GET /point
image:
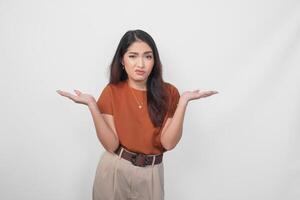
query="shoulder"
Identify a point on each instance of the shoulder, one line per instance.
(113, 87)
(171, 87)
(106, 89)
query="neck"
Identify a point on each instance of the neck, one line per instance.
(137, 85)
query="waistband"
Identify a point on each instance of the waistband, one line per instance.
(139, 159)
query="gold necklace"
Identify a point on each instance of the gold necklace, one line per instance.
(138, 102)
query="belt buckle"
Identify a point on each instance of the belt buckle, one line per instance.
(139, 159)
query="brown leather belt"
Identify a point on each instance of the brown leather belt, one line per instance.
(139, 159)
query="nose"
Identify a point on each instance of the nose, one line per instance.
(140, 62)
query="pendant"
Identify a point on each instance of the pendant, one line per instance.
(140, 107)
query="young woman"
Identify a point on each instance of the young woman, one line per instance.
(137, 118)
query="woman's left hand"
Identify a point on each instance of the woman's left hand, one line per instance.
(196, 94)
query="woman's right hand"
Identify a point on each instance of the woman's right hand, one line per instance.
(80, 97)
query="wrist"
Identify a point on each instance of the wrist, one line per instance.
(182, 102)
(92, 104)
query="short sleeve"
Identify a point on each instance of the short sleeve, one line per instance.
(104, 101)
(173, 100)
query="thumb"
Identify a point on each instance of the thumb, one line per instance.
(77, 92)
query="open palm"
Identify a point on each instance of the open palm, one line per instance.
(80, 97)
(197, 94)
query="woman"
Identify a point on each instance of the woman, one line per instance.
(137, 118)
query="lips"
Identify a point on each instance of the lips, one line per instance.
(140, 72)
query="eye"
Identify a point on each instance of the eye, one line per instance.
(131, 56)
(149, 57)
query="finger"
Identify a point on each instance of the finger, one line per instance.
(214, 92)
(63, 93)
(58, 91)
(77, 92)
(66, 94)
(205, 94)
(210, 93)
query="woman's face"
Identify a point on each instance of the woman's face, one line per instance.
(138, 61)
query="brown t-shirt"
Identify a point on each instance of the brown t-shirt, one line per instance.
(133, 125)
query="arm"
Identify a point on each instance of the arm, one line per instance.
(104, 123)
(172, 130)
(105, 128)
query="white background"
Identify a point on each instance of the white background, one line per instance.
(241, 144)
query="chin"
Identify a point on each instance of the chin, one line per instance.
(140, 79)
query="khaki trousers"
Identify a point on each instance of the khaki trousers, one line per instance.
(118, 179)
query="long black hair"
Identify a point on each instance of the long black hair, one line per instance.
(157, 96)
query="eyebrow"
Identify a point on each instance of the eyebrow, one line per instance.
(146, 52)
